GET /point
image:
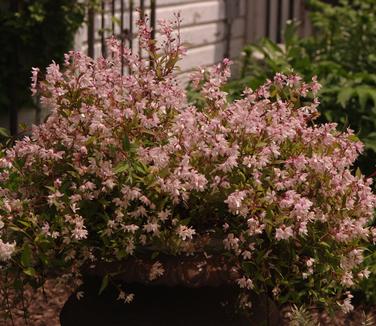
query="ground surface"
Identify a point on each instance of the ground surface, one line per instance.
(45, 309)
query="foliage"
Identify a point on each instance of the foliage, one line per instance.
(341, 53)
(367, 288)
(33, 33)
(124, 164)
(300, 316)
(368, 319)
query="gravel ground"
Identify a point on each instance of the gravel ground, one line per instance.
(358, 317)
(45, 307)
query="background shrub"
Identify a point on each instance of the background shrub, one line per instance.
(32, 34)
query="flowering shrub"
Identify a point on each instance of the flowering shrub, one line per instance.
(123, 163)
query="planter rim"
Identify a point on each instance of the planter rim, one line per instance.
(197, 270)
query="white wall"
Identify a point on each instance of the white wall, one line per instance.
(204, 25)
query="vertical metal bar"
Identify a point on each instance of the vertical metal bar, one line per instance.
(113, 16)
(142, 16)
(122, 34)
(152, 17)
(103, 45)
(13, 96)
(228, 23)
(142, 8)
(152, 24)
(90, 32)
(291, 9)
(267, 19)
(302, 18)
(279, 21)
(130, 34)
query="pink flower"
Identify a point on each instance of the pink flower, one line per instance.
(235, 201)
(151, 228)
(6, 250)
(346, 305)
(284, 233)
(185, 232)
(245, 283)
(156, 271)
(125, 297)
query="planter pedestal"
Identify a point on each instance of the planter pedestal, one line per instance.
(152, 306)
(193, 291)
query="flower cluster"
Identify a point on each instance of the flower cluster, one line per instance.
(124, 163)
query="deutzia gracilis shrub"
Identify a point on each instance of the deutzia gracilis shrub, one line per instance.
(124, 164)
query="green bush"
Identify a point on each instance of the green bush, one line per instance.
(367, 288)
(33, 33)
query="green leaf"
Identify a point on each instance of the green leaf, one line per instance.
(26, 256)
(353, 138)
(24, 223)
(140, 167)
(4, 132)
(121, 167)
(154, 255)
(325, 244)
(51, 188)
(126, 143)
(290, 34)
(364, 93)
(30, 271)
(273, 49)
(344, 96)
(185, 221)
(115, 20)
(104, 284)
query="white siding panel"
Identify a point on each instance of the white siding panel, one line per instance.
(211, 33)
(195, 13)
(209, 54)
(163, 3)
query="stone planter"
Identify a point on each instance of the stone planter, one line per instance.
(195, 290)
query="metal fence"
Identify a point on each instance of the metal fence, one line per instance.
(278, 24)
(116, 17)
(267, 18)
(273, 14)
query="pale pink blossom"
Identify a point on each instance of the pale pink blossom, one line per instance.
(185, 232)
(245, 283)
(7, 249)
(284, 233)
(156, 271)
(346, 305)
(235, 201)
(125, 297)
(151, 228)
